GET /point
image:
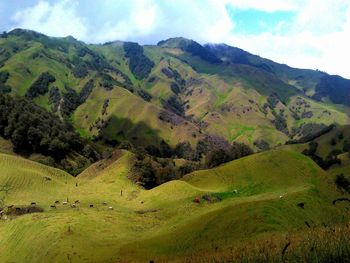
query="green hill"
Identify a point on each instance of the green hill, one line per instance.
(175, 91)
(241, 200)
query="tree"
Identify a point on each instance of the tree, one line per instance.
(217, 157)
(184, 150)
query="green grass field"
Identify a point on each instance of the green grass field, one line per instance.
(259, 195)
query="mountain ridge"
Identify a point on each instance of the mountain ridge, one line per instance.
(211, 87)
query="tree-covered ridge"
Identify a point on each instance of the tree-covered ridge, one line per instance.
(336, 88)
(32, 129)
(139, 64)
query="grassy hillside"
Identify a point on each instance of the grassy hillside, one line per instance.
(241, 200)
(187, 91)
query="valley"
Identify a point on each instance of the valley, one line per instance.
(174, 152)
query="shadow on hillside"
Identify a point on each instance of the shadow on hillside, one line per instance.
(121, 129)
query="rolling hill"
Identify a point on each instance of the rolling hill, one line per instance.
(241, 200)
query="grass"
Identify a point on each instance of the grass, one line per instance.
(163, 223)
(220, 95)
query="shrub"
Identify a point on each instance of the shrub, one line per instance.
(342, 182)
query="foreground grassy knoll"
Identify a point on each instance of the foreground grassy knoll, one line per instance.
(268, 194)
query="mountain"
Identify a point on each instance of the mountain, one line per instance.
(175, 152)
(175, 91)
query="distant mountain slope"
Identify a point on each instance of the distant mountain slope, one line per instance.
(175, 91)
(313, 83)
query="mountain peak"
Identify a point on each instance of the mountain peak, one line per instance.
(175, 42)
(190, 46)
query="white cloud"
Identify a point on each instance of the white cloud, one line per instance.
(317, 38)
(266, 5)
(58, 19)
(140, 18)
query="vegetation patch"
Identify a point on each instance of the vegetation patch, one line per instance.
(40, 85)
(139, 64)
(31, 129)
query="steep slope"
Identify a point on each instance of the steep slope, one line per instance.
(176, 91)
(239, 200)
(313, 83)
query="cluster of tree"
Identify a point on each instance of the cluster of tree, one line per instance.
(4, 75)
(235, 151)
(197, 50)
(73, 99)
(150, 171)
(280, 122)
(272, 100)
(105, 106)
(310, 131)
(32, 129)
(174, 74)
(334, 87)
(139, 64)
(144, 95)
(331, 158)
(174, 105)
(342, 182)
(107, 82)
(40, 85)
(156, 165)
(80, 71)
(262, 145)
(54, 98)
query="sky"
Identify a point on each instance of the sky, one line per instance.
(311, 34)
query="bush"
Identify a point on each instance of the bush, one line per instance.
(342, 182)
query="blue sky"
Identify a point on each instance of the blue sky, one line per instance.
(302, 33)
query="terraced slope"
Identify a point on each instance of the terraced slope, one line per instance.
(239, 200)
